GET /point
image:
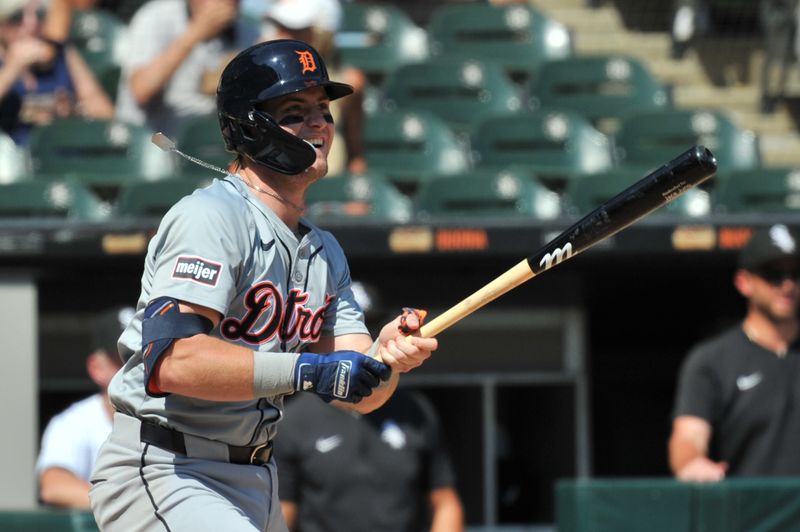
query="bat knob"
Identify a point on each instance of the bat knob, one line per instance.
(704, 156)
(162, 141)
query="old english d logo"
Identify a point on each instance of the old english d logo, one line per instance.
(307, 60)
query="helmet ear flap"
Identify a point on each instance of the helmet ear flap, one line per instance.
(266, 143)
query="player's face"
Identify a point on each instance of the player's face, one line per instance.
(776, 289)
(306, 114)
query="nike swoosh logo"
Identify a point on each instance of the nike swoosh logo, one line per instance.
(267, 246)
(747, 382)
(325, 445)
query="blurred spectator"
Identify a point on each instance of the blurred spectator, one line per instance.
(58, 21)
(72, 438)
(690, 18)
(316, 22)
(178, 49)
(41, 78)
(778, 20)
(737, 411)
(387, 470)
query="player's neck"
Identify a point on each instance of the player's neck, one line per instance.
(775, 336)
(281, 194)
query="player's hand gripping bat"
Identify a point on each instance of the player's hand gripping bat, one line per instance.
(637, 201)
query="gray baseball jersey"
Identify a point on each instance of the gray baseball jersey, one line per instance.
(222, 248)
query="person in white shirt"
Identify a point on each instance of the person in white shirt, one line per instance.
(72, 438)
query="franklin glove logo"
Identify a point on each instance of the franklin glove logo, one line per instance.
(342, 384)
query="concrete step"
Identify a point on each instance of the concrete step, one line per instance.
(645, 46)
(550, 5)
(600, 20)
(780, 149)
(745, 97)
(779, 122)
(686, 71)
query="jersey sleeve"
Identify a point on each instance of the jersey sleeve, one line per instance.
(344, 315)
(200, 252)
(698, 386)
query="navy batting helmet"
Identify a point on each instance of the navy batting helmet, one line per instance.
(260, 73)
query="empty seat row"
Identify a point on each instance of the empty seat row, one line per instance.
(509, 194)
(379, 37)
(409, 147)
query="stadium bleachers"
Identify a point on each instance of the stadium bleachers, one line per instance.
(507, 193)
(358, 198)
(409, 147)
(479, 68)
(459, 91)
(557, 145)
(518, 37)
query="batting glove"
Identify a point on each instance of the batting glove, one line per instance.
(344, 375)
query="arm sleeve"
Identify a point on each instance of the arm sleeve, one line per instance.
(698, 387)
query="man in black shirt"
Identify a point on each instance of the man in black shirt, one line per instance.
(387, 470)
(737, 409)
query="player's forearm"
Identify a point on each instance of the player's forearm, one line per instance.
(208, 368)
(150, 79)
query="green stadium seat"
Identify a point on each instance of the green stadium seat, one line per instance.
(50, 199)
(761, 190)
(518, 37)
(602, 88)
(98, 152)
(101, 37)
(557, 145)
(379, 37)
(357, 198)
(651, 138)
(409, 147)
(585, 194)
(145, 199)
(507, 193)
(200, 137)
(15, 161)
(458, 90)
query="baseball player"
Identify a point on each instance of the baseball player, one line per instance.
(243, 301)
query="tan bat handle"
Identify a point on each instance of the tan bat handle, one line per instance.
(496, 288)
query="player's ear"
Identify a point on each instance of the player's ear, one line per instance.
(743, 282)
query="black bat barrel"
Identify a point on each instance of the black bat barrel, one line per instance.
(643, 197)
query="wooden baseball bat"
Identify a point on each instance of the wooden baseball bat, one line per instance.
(637, 201)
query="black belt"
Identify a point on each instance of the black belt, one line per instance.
(173, 441)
